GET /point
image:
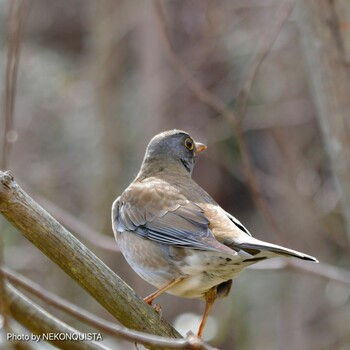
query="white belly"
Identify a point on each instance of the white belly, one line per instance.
(159, 264)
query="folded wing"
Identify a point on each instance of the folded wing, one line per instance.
(157, 211)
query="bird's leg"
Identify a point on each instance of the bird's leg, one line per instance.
(149, 299)
(210, 297)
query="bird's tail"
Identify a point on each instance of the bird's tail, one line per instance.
(255, 247)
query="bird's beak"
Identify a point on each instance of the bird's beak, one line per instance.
(199, 147)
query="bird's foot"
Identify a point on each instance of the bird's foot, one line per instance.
(158, 309)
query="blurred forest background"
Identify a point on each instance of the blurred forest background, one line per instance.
(98, 79)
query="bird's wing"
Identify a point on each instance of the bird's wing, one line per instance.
(158, 211)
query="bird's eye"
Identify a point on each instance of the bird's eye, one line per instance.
(189, 143)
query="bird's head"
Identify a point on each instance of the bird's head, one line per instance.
(173, 148)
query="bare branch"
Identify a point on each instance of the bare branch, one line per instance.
(75, 225)
(39, 321)
(77, 261)
(99, 323)
(263, 49)
(15, 24)
(322, 270)
(17, 15)
(4, 305)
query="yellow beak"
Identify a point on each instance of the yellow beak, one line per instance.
(199, 147)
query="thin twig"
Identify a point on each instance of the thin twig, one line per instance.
(230, 115)
(268, 39)
(15, 24)
(72, 223)
(323, 270)
(84, 231)
(99, 323)
(17, 14)
(4, 305)
(40, 323)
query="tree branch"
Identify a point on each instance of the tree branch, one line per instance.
(264, 47)
(39, 321)
(322, 270)
(4, 305)
(101, 324)
(77, 261)
(75, 225)
(15, 23)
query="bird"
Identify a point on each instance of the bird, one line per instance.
(175, 236)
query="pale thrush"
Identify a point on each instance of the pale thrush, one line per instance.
(175, 236)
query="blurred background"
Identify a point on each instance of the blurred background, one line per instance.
(97, 81)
